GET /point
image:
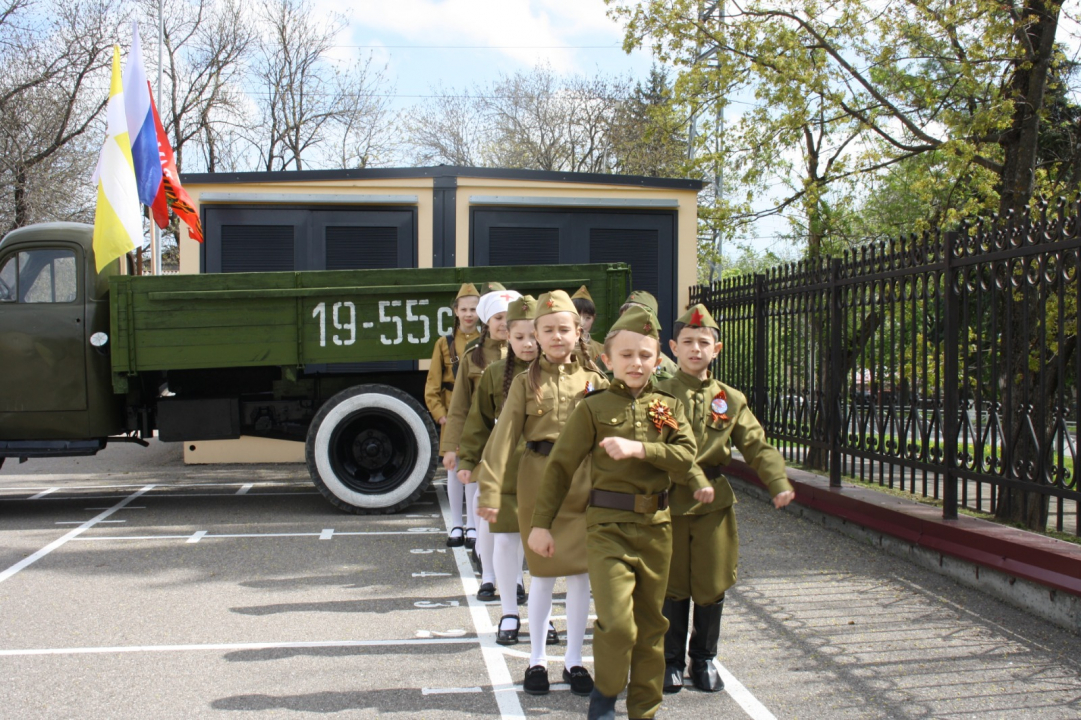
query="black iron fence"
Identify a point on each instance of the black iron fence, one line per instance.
(943, 364)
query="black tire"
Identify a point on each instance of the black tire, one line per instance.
(371, 449)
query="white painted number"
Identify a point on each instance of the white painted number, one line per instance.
(351, 326)
(383, 304)
(414, 318)
(320, 311)
(427, 604)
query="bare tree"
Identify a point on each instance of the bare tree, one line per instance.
(54, 59)
(449, 129)
(362, 121)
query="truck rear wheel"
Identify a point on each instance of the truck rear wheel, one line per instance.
(371, 449)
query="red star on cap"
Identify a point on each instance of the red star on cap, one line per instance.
(696, 318)
(647, 327)
(550, 302)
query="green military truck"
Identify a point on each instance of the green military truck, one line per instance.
(90, 358)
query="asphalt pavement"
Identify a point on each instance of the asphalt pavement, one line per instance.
(134, 586)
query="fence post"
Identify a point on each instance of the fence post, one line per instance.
(760, 359)
(951, 402)
(836, 364)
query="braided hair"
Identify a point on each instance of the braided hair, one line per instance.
(585, 357)
(508, 371)
(477, 356)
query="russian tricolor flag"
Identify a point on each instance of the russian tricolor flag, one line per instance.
(144, 136)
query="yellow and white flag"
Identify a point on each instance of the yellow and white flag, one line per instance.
(118, 226)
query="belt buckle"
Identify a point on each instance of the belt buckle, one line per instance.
(645, 504)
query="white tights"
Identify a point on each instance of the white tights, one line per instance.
(507, 556)
(540, 613)
(458, 495)
(485, 542)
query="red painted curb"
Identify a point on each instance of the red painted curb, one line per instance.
(1053, 563)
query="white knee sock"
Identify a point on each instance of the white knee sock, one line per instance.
(540, 612)
(521, 560)
(507, 569)
(456, 497)
(471, 504)
(577, 617)
(485, 549)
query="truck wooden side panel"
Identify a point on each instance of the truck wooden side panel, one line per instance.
(184, 322)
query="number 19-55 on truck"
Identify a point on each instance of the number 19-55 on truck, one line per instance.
(322, 357)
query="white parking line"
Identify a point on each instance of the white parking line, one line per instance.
(245, 488)
(204, 534)
(506, 694)
(742, 695)
(27, 561)
(43, 493)
(450, 691)
(234, 646)
(80, 522)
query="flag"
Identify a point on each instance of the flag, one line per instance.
(117, 222)
(143, 136)
(171, 192)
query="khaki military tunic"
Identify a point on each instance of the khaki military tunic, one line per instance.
(526, 416)
(487, 404)
(464, 386)
(628, 552)
(440, 383)
(705, 546)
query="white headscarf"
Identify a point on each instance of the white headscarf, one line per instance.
(494, 303)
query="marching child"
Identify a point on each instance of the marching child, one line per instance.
(508, 553)
(639, 441)
(440, 385)
(538, 404)
(491, 346)
(705, 544)
(587, 310)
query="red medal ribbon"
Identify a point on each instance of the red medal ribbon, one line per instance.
(661, 415)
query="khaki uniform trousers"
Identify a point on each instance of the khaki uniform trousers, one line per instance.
(705, 551)
(628, 572)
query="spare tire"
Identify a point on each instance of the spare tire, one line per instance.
(371, 449)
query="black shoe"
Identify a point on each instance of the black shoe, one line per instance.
(705, 633)
(579, 680)
(536, 680)
(553, 635)
(508, 637)
(601, 707)
(522, 597)
(455, 540)
(470, 542)
(673, 679)
(487, 593)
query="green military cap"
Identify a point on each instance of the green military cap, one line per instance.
(493, 287)
(643, 298)
(638, 319)
(698, 317)
(583, 293)
(467, 290)
(553, 302)
(523, 308)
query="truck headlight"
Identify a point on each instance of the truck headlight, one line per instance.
(99, 339)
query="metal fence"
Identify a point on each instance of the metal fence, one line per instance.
(943, 364)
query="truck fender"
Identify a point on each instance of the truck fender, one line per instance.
(371, 449)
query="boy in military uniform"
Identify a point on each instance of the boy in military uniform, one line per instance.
(637, 439)
(439, 387)
(644, 299)
(705, 544)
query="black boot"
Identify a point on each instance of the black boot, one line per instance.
(704, 637)
(677, 612)
(601, 707)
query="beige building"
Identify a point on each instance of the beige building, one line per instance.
(438, 217)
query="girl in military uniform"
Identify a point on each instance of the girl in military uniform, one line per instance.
(440, 384)
(491, 346)
(639, 442)
(705, 544)
(587, 310)
(509, 552)
(538, 404)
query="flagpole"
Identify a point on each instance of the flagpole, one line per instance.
(155, 236)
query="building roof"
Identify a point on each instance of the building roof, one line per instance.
(440, 171)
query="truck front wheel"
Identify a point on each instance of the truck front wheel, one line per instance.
(371, 449)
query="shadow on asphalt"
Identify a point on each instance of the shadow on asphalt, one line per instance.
(382, 701)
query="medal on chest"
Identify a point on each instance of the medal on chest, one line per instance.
(661, 415)
(589, 387)
(719, 407)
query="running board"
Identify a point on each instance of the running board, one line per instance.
(23, 449)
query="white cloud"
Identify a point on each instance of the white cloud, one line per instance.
(527, 31)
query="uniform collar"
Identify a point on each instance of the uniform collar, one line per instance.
(691, 381)
(571, 366)
(620, 388)
(471, 335)
(493, 344)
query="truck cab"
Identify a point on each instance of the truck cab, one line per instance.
(55, 391)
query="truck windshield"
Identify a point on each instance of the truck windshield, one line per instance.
(39, 276)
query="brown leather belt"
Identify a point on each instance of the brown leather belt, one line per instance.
(643, 504)
(713, 472)
(449, 387)
(541, 447)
